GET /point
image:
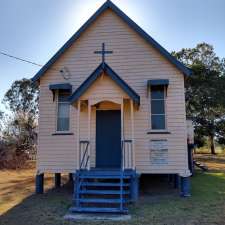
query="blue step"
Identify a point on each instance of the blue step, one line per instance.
(94, 176)
(98, 209)
(103, 187)
(100, 200)
(103, 192)
(105, 172)
(104, 184)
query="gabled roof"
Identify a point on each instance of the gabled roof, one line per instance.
(109, 5)
(103, 67)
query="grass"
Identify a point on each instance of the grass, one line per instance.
(158, 205)
(206, 150)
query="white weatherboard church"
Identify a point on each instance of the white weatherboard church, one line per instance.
(112, 107)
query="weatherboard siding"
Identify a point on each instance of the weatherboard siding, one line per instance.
(135, 61)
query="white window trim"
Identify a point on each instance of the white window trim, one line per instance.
(56, 116)
(165, 107)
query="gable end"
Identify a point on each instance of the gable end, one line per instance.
(103, 67)
(109, 5)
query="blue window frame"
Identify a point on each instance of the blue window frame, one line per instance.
(158, 112)
(63, 112)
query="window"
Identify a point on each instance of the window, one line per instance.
(158, 120)
(63, 115)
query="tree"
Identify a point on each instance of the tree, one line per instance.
(1, 117)
(205, 91)
(22, 101)
(22, 97)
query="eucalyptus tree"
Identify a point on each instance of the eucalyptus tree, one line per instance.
(205, 91)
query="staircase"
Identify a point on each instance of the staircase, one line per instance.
(103, 191)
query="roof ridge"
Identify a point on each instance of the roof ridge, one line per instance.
(109, 4)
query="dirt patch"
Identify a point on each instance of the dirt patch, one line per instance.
(215, 163)
(16, 185)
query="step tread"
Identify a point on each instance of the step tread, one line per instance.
(94, 176)
(104, 184)
(100, 200)
(98, 209)
(112, 192)
(126, 172)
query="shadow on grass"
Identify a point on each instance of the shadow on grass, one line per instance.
(40, 209)
(159, 204)
(22, 186)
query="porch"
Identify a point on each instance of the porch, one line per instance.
(106, 179)
(105, 134)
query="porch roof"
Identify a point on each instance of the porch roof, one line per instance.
(103, 67)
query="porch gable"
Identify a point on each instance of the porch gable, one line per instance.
(103, 67)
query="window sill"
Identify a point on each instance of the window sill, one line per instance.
(62, 133)
(158, 132)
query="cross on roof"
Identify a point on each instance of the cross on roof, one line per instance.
(103, 52)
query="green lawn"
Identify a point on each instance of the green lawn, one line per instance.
(206, 206)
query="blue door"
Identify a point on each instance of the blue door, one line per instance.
(108, 138)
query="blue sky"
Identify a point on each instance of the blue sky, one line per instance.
(36, 29)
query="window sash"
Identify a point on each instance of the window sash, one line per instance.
(158, 122)
(158, 115)
(63, 113)
(158, 107)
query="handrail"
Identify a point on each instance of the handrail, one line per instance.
(127, 154)
(84, 154)
(87, 161)
(82, 162)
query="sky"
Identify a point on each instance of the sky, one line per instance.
(36, 29)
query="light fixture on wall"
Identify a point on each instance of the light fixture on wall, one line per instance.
(65, 73)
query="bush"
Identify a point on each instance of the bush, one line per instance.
(10, 158)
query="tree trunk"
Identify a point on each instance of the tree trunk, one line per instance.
(212, 145)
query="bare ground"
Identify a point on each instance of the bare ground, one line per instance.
(159, 203)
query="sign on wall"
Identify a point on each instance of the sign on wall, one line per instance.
(158, 152)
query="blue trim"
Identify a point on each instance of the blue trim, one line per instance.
(61, 86)
(135, 187)
(39, 184)
(185, 187)
(158, 82)
(109, 5)
(62, 133)
(158, 132)
(133, 95)
(103, 67)
(87, 83)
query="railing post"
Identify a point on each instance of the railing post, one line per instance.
(89, 133)
(122, 134)
(132, 132)
(78, 134)
(84, 157)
